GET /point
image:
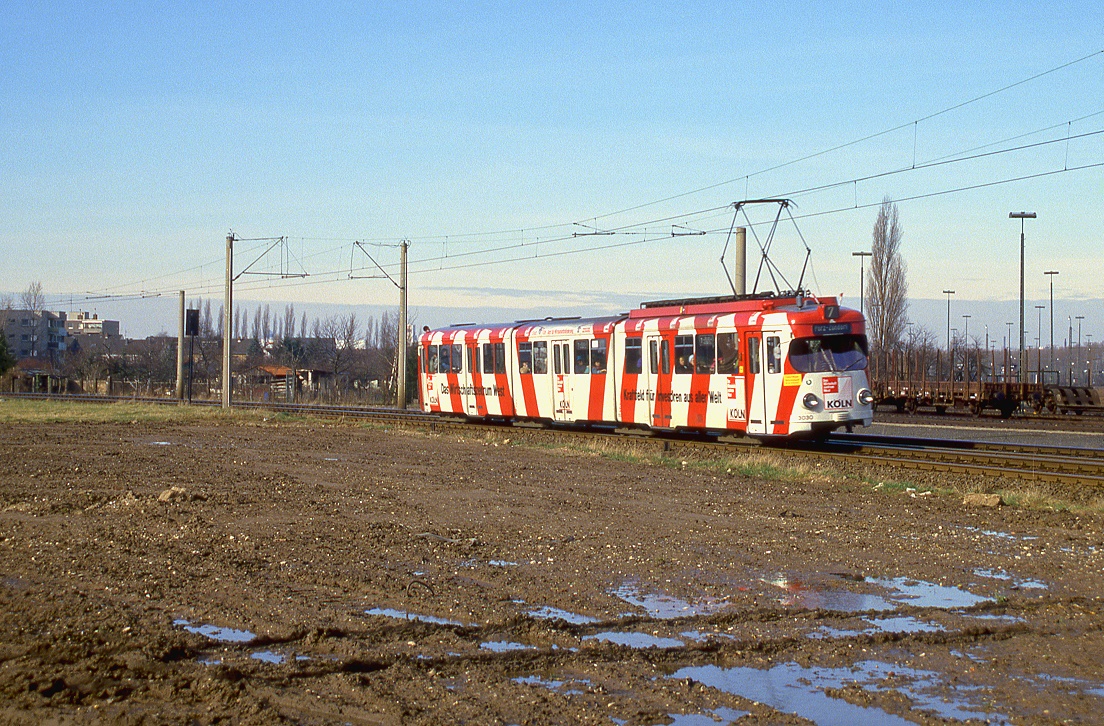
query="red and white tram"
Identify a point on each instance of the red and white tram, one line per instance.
(763, 366)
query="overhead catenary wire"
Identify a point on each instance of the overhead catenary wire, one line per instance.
(634, 227)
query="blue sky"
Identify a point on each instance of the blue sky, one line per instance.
(134, 136)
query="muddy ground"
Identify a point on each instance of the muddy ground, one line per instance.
(328, 573)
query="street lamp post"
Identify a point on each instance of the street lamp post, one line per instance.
(1051, 274)
(950, 343)
(862, 274)
(1039, 337)
(1079, 318)
(1023, 334)
(1008, 354)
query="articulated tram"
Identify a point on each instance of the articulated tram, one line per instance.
(764, 366)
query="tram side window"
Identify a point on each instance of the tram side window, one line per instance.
(665, 357)
(525, 358)
(540, 357)
(774, 354)
(653, 357)
(556, 360)
(634, 358)
(705, 349)
(499, 357)
(684, 354)
(457, 358)
(598, 356)
(566, 353)
(727, 353)
(471, 352)
(488, 359)
(445, 359)
(753, 355)
(582, 356)
(432, 361)
(474, 367)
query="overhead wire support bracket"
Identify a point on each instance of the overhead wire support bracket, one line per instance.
(678, 230)
(593, 233)
(358, 245)
(276, 242)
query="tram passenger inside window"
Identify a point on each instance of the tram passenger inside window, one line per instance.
(597, 356)
(704, 353)
(684, 354)
(582, 356)
(727, 353)
(525, 356)
(433, 365)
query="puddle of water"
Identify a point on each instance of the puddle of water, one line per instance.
(1001, 535)
(565, 687)
(800, 594)
(268, 657)
(403, 615)
(204, 660)
(550, 613)
(722, 715)
(224, 635)
(635, 640)
(902, 624)
(160, 443)
(993, 574)
(790, 688)
(503, 646)
(699, 636)
(663, 606)
(918, 593)
(501, 563)
(330, 458)
(1016, 582)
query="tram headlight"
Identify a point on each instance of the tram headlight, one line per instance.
(810, 401)
(866, 397)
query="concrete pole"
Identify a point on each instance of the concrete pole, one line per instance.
(739, 268)
(227, 319)
(180, 353)
(401, 351)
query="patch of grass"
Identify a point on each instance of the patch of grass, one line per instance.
(24, 411)
(21, 411)
(907, 487)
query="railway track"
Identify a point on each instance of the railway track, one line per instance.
(1049, 464)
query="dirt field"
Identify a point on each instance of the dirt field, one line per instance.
(256, 572)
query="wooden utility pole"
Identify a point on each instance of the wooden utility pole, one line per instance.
(401, 351)
(227, 320)
(180, 353)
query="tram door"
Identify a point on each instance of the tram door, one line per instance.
(764, 361)
(657, 363)
(562, 380)
(468, 380)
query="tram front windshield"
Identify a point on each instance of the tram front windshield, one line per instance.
(828, 354)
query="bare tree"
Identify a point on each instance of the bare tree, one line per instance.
(33, 300)
(344, 331)
(887, 281)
